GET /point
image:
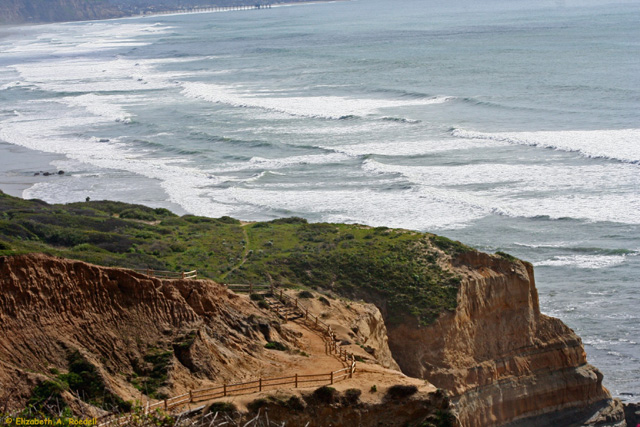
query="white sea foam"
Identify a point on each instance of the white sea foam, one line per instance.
(183, 183)
(102, 105)
(90, 75)
(410, 148)
(329, 107)
(583, 261)
(617, 144)
(405, 209)
(507, 189)
(57, 39)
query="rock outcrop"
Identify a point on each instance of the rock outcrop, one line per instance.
(503, 361)
(121, 322)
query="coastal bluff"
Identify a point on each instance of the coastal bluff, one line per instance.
(467, 322)
(505, 363)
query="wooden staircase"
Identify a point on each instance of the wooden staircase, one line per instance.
(286, 312)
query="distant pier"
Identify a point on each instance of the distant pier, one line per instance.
(209, 9)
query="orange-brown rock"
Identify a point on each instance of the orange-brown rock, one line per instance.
(113, 317)
(504, 362)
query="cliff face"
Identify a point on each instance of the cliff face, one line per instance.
(125, 324)
(503, 361)
(23, 11)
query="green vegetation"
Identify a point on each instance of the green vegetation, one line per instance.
(84, 381)
(221, 407)
(274, 345)
(396, 269)
(440, 419)
(401, 391)
(293, 403)
(326, 394)
(506, 256)
(152, 375)
(352, 395)
(305, 294)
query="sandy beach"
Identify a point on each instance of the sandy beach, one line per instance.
(18, 166)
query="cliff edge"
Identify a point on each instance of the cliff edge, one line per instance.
(504, 362)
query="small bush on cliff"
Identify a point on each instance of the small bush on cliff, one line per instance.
(84, 381)
(326, 394)
(275, 345)
(221, 407)
(439, 419)
(256, 297)
(352, 396)
(506, 256)
(305, 294)
(450, 246)
(401, 391)
(153, 373)
(47, 394)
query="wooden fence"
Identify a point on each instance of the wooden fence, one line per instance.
(237, 389)
(161, 274)
(332, 346)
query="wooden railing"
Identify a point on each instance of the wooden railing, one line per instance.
(237, 389)
(161, 274)
(332, 346)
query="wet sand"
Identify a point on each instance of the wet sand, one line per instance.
(18, 166)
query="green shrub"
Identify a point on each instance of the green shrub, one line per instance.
(255, 405)
(373, 389)
(506, 256)
(274, 345)
(448, 245)
(256, 297)
(291, 220)
(401, 391)
(305, 294)
(264, 305)
(139, 214)
(352, 395)
(295, 403)
(324, 301)
(326, 394)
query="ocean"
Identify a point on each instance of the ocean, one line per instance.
(506, 126)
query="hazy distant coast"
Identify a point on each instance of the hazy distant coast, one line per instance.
(32, 11)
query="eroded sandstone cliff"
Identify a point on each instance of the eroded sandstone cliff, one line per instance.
(504, 362)
(137, 331)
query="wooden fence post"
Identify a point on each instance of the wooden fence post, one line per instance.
(250, 288)
(260, 385)
(280, 294)
(224, 390)
(331, 377)
(166, 405)
(183, 275)
(190, 396)
(296, 380)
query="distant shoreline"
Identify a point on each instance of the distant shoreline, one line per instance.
(239, 8)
